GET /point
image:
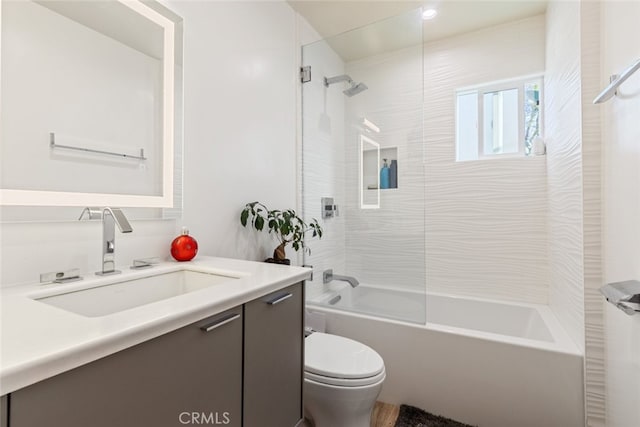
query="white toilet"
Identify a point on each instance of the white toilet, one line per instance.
(342, 379)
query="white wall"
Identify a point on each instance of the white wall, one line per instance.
(486, 220)
(239, 118)
(621, 175)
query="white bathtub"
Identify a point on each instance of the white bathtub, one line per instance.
(486, 363)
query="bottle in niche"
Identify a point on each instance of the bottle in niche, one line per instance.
(384, 175)
(184, 247)
(393, 174)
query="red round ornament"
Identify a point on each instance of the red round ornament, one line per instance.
(184, 247)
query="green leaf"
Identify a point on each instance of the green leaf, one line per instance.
(243, 217)
(259, 224)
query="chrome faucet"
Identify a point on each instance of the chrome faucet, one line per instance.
(328, 276)
(110, 217)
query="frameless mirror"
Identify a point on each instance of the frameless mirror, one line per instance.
(369, 176)
(91, 108)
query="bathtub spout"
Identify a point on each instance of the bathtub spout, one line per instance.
(328, 276)
(352, 280)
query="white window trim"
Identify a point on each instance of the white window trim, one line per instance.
(496, 86)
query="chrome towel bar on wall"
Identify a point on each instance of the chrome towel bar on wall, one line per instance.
(616, 81)
(52, 144)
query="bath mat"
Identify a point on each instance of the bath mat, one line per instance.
(414, 417)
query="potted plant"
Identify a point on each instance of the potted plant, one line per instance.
(287, 226)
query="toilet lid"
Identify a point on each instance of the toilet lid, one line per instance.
(339, 357)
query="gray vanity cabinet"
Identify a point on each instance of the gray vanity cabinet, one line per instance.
(243, 367)
(4, 412)
(189, 376)
(273, 358)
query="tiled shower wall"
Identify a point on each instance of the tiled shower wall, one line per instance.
(564, 157)
(486, 219)
(592, 198)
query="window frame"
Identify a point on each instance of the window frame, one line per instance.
(481, 90)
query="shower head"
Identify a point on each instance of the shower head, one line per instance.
(355, 88)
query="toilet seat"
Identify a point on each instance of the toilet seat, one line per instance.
(343, 382)
(340, 361)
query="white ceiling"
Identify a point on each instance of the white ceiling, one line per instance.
(332, 17)
(114, 20)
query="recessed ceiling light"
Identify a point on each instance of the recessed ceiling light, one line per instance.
(429, 14)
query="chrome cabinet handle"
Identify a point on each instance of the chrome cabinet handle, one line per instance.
(211, 326)
(279, 299)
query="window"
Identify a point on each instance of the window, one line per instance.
(497, 119)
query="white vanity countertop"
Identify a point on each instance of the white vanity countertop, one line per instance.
(39, 341)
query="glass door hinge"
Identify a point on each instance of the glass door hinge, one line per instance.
(305, 74)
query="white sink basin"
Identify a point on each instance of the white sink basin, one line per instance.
(125, 294)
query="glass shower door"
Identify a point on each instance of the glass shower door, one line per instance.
(363, 153)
